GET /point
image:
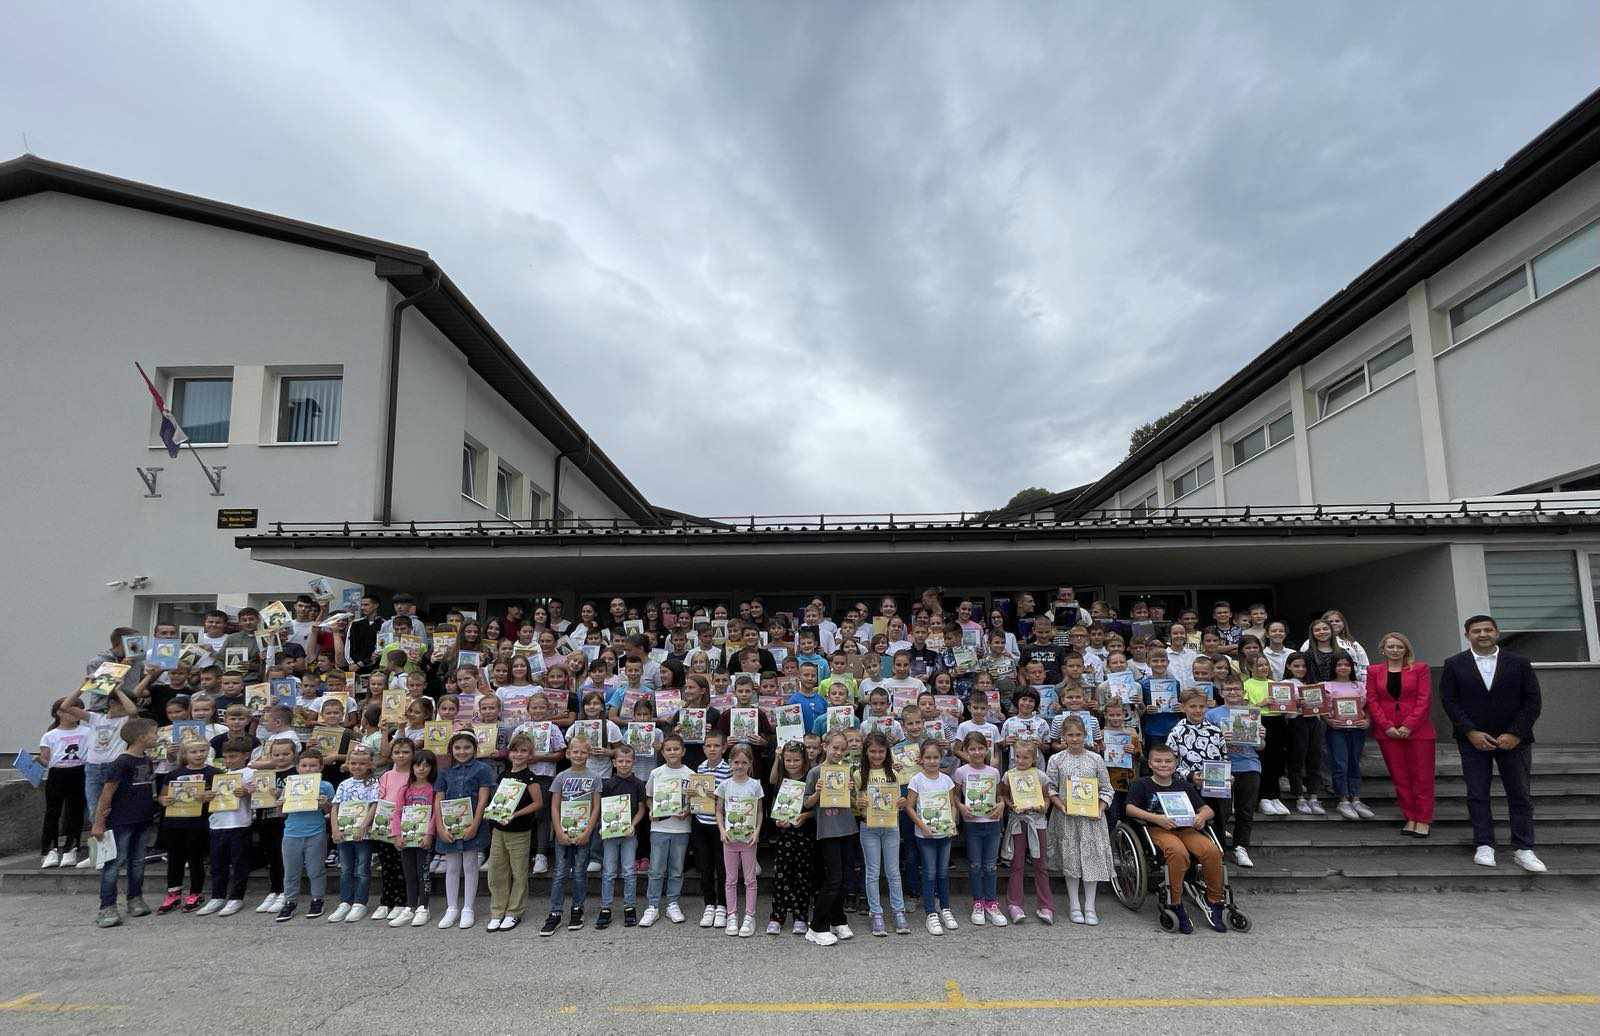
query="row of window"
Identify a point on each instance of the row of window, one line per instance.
(516, 497)
(1559, 265)
(307, 408)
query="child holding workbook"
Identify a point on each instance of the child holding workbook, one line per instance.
(793, 838)
(228, 819)
(619, 850)
(1026, 791)
(183, 824)
(575, 805)
(705, 841)
(274, 764)
(1179, 834)
(125, 809)
(978, 801)
(391, 790)
(511, 838)
(416, 791)
(1083, 847)
(739, 825)
(62, 751)
(929, 796)
(667, 793)
(353, 803)
(305, 841)
(836, 832)
(466, 784)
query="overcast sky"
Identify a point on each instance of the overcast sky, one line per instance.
(809, 257)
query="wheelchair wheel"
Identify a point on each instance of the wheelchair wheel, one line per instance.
(1238, 922)
(1130, 871)
(1169, 919)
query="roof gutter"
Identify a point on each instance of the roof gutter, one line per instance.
(386, 269)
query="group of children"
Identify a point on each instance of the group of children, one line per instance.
(852, 785)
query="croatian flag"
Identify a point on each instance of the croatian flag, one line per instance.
(171, 434)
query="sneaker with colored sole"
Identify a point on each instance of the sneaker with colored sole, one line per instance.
(170, 902)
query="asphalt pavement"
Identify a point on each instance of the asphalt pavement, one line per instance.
(1345, 962)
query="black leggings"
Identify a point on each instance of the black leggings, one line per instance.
(392, 893)
(269, 844)
(1305, 756)
(414, 862)
(707, 841)
(833, 858)
(1241, 807)
(1274, 752)
(188, 845)
(63, 808)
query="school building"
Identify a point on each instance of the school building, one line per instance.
(1420, 448)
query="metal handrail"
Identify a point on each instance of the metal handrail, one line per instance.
(1538, 511)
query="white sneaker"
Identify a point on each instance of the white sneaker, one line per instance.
(1018, 915)
(340, 912)
(708, 918)
(934, 927)
(732, 925)
(977, 913)
(211, 907)
(1241, 856)
(541, 863)
(1484, 857)
(1525, 859)
(231, 907)
(1090, 918)
(843, 932)
(719, 919)
(467, 918)
(436, 865)
(451, 916)
(381, 914)
(1274, 808)
(994, 915)
(357, 912)
(69, 858)
(1348, 811)
(1316, 807)
(747, 929)
(1303, 807)
(649, 917)
(674, 913)
(949, 918)
(268, 905)
(400, 918)
(821, 938)
(85, 863)
(493, 925)
(594, 867)
(51, 859)
(419, 918)
(1362, 809)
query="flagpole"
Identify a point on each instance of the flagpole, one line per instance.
(216, 486)
(161, 406)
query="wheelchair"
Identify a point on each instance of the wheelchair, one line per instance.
(1138, 871)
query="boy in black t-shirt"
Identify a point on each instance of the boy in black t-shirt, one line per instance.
(1176, 836)
(619, 853)
(509, 842)
(187, 837)
(125, 808)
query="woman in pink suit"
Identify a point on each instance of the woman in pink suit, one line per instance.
(1399, 698)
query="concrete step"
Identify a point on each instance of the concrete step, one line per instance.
(1377, 840)
(1386, 815)
(1376, 789)
(1415, 869)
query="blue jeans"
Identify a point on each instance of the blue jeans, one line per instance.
(94, 778)
(618, 857)
(1344, 760)
(667, 850)
(935, 853)
(880, 852)
(910, 857)
(572, 865)
(983, 849)
(130, 855)
(305, 855)
(355, 871)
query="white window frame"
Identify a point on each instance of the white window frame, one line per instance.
(1530, 294)
(1174, 483)
(1268, 443)
(538, 501)
(1581, 560)
(1363, 374)
(277, 375)
(1146, 507)
(513, 483)
(172, 404)
(472, 455)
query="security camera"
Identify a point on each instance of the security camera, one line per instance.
(138, 582)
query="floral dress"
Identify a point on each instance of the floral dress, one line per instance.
(1080, 845)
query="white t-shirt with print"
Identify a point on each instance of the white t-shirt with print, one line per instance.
(68, 748)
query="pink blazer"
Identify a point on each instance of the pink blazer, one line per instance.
(1415, 704)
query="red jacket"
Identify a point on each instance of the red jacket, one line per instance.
(1415, 704)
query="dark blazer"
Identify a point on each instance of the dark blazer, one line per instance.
(1411, 711)
(1511, 706)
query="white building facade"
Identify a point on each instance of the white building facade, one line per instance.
(271, 341)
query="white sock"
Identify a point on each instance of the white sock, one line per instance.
(1072, 894)
(1089, 890)
(452, 876)
(469, 881)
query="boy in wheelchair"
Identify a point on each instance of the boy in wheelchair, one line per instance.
(1158, 802)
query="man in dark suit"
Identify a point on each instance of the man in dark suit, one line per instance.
(1492, 699)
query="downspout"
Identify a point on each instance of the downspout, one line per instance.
(394, 393)
(555, 490)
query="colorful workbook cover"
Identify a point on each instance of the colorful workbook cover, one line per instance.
(574, 816)
(327, 739)
(1027, 793)
(436, 736)
(1216, 779)
(833, 782)
(840, 718)
(1164, 694)
(669, 798)
(791, 724)
(383, 821)
(1083, 797)
(981, 792)
(744, 724)
(300, 792)
(185, 792)
(225, 790)
(642, 738)
(507, 796)
(350, 817)
(455, 816)
(740, 817)
(935, 810)
(703, 793)
(789, 803)
(616, 813)
(415, 821)
(1176, 805)
(882, 805)
(692, 726)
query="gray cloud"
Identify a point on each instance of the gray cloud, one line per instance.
(904, 256)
